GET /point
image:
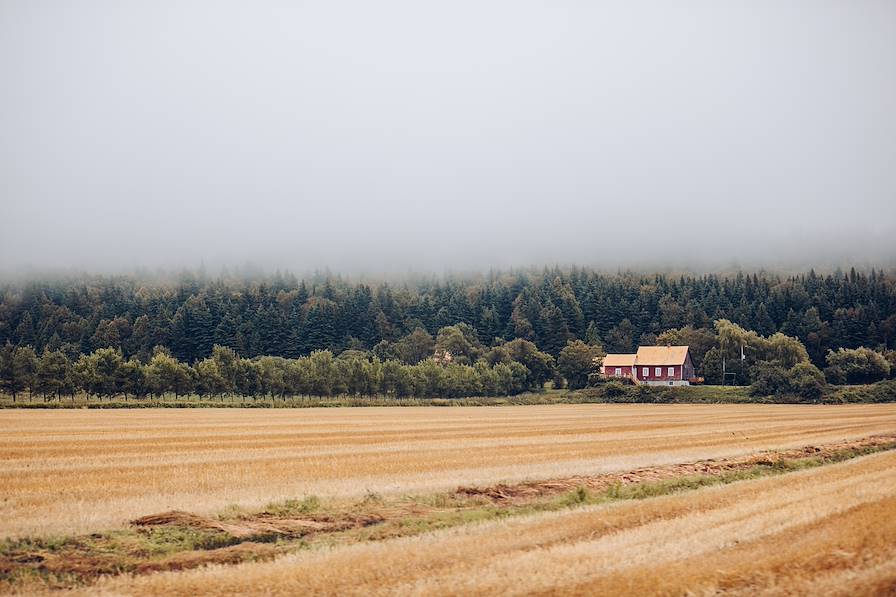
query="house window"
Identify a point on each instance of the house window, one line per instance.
(671, 371)
(657, 371)
(618, 372)
(645, 371)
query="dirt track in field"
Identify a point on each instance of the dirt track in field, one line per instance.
(515, 493)
(78, 471)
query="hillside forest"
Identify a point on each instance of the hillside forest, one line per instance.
(496, 334)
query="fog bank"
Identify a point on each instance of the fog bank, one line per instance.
(398, 135)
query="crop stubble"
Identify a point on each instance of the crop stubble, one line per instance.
(824, 531)
(77, 471)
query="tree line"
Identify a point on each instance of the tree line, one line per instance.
(504, 370)
(280, 315)
(778, 363)
(454, 364)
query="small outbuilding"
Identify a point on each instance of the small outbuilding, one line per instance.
(654, 365)
(618, 365)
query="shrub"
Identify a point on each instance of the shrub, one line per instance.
(803, 379)
(806, 380)
(597, 379)
(614, 389)
(856, 366)
(882, 391)
(769, 380)
(835, 375)
(890, 355)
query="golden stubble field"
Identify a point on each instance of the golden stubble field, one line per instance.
(69, 471)
(825, 531)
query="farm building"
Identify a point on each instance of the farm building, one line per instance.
(654, 365)
(618, 365)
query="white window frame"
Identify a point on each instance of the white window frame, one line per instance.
(618, 371)
(645, 371)
(671, 371)
(657, 371)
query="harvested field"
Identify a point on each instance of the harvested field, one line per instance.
(823, 531)
(72, 471)
(173, 541)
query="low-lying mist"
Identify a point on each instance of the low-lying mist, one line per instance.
(408, 137)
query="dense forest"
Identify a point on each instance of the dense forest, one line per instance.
(279, 315)
(497, 335)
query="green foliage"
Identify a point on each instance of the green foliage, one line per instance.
(249, 335)
(282, 316)
(890, 355)
(768, 380)
(859, 365)
(577, 361)
(54, 373)
(614, 389)
(293, 507)
(621, 338)
(804, 380)
(209, 380)
(18, 369)
(415, 347)
(101, 372)
(712, 366)
(460, 342)
(580, 495)
(746, 353)
(166, 374)
(882, 391)
(540, 365)
(807, 381)
(699, 340)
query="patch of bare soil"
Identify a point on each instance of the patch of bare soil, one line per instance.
(233, 554)
(59, 565)
(84, 559)
(530, 490)
(257, 526)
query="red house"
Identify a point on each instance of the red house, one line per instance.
(654, 365)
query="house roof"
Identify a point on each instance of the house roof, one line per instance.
(619, 360)
(661, 355)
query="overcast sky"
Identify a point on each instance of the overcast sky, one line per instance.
(388, 135)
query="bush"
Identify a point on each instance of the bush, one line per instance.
(613, 389)
(806, 380)
(882, 391)
(769, 380)
(890, 355)
(835, 375)
(803, 379)
(597, 379)
(856, 366)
